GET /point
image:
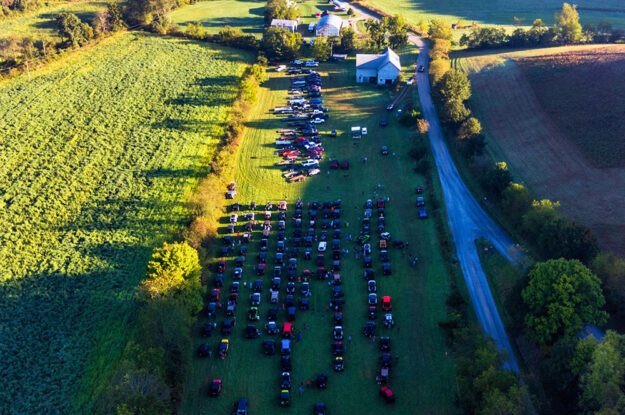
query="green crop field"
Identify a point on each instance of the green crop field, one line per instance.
(423, 377)
(41, 22)
(97, 153)
(501, 12)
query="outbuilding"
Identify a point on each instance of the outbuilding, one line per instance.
(382, 69)
(291, 25)
(329, 25)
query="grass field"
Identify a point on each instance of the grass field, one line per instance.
(215, 14)
(97, 153)
(423, 377)
(41, 23)
(244, 14)
(553, 114)
(501, 12)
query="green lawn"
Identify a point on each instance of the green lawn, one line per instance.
(501, 12)
(244, 14)
(423, 377)
(98, 151)
(41, 22)
(215, 14)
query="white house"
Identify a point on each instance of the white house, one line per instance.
(286, 24)
(380, 69)
(329, 25)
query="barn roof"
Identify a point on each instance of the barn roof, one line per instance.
(367, 61)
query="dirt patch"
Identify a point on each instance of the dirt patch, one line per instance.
(536, 143)
(583, 93)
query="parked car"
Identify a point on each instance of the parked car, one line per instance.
(420, 68)
(384, 150)
(387, 394)
(214, 389)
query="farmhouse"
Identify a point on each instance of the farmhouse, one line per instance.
(329, 25)
(286, 24)
(381, 69)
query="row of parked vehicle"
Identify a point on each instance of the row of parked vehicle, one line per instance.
(300, 145)
(369, 330)
(310, 238)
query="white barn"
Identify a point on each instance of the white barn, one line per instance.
(329, 25)
(286, 24)
(380, 69)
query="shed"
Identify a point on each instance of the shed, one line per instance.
(382, 69)
(291, 25)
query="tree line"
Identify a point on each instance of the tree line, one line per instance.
(20, 53)
(11, 7)
(574, 284)
(567, 30)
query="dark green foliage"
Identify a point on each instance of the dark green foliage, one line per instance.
(484, 37)
(280, 43)
(453, 89)
(562, 296)
(516, 200)
(556, 236)
(280, 9)
(602, 379)
(496, 179)
(73, 30)
(390, 31)
(611, 270)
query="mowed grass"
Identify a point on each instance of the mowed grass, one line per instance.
(423, 377)
(96, 155)
(501, 12)
(247, 15)
(215, 14)
(553, 115)
(41, 23)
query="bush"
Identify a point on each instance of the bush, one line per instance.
(496, 179)
(516, 201)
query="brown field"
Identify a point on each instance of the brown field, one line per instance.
(557, 117)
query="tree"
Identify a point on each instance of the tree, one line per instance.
(280, 9)
(469, 128)
(115, 18)
(497, 178)
(397, 30)
(280, 43)
(454, 88)
(602, 382)
(348, 40)
(516, 200)
(440, 49)
(611, 270)
(173, 273)
(322, 49)
(438, 68)
(73, 30)
(100, 23)
(439, 29)
(567, 22)
(423, 27)
(377, 33)
(562, 296)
